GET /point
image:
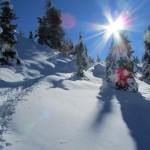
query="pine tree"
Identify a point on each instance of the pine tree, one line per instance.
(71, 48)
(50, 31)
(121, 64)
(41, 31)
(31, 35)
(91, 61)
(68, 47)
(146, 57)
(81, 57)
(7, 38)
(98, 58)
(110, 63)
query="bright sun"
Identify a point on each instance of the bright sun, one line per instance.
(115, 26)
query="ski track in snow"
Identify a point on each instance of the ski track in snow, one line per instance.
(10, 98)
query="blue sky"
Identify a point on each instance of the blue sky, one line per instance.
(83, 15)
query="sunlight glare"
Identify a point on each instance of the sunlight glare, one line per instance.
(115, 26)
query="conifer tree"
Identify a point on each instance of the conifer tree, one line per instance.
(81, 57)
(31, 35)
(68, 47)
(111, 63)
(50, 31)
(121, 64)
(98, 58)
(41, 31)
(8, 55)
(91, 61)
(146, 57)
(71, 48)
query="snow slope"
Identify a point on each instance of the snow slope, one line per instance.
(44, 106)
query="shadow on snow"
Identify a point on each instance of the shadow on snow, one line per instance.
(105, 96)
(136, 114)
(135, 111)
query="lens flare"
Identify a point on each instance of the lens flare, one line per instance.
(115, 26)
(68, 21)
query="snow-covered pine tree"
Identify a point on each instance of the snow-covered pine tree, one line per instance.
(71, 47)
(110, 63)
(98, 59)
(8, 55)
(146, 57)
(121, 64)
(81, 57)
(65, 46)
(31, 35)
(50, 31)
(68, 47)
(91, 61)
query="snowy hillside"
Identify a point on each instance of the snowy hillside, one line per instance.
(43, 106)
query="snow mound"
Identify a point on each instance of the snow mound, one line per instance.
(37, 61)
(9, 74)
(99, 70)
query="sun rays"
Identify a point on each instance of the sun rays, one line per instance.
(104, 32)
(123, 18)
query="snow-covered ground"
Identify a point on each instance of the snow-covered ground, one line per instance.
(43, 106)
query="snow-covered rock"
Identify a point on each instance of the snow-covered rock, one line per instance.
(99, 70)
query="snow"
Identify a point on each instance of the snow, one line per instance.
(44, 106)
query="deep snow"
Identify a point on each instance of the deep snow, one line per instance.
(44, 106)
